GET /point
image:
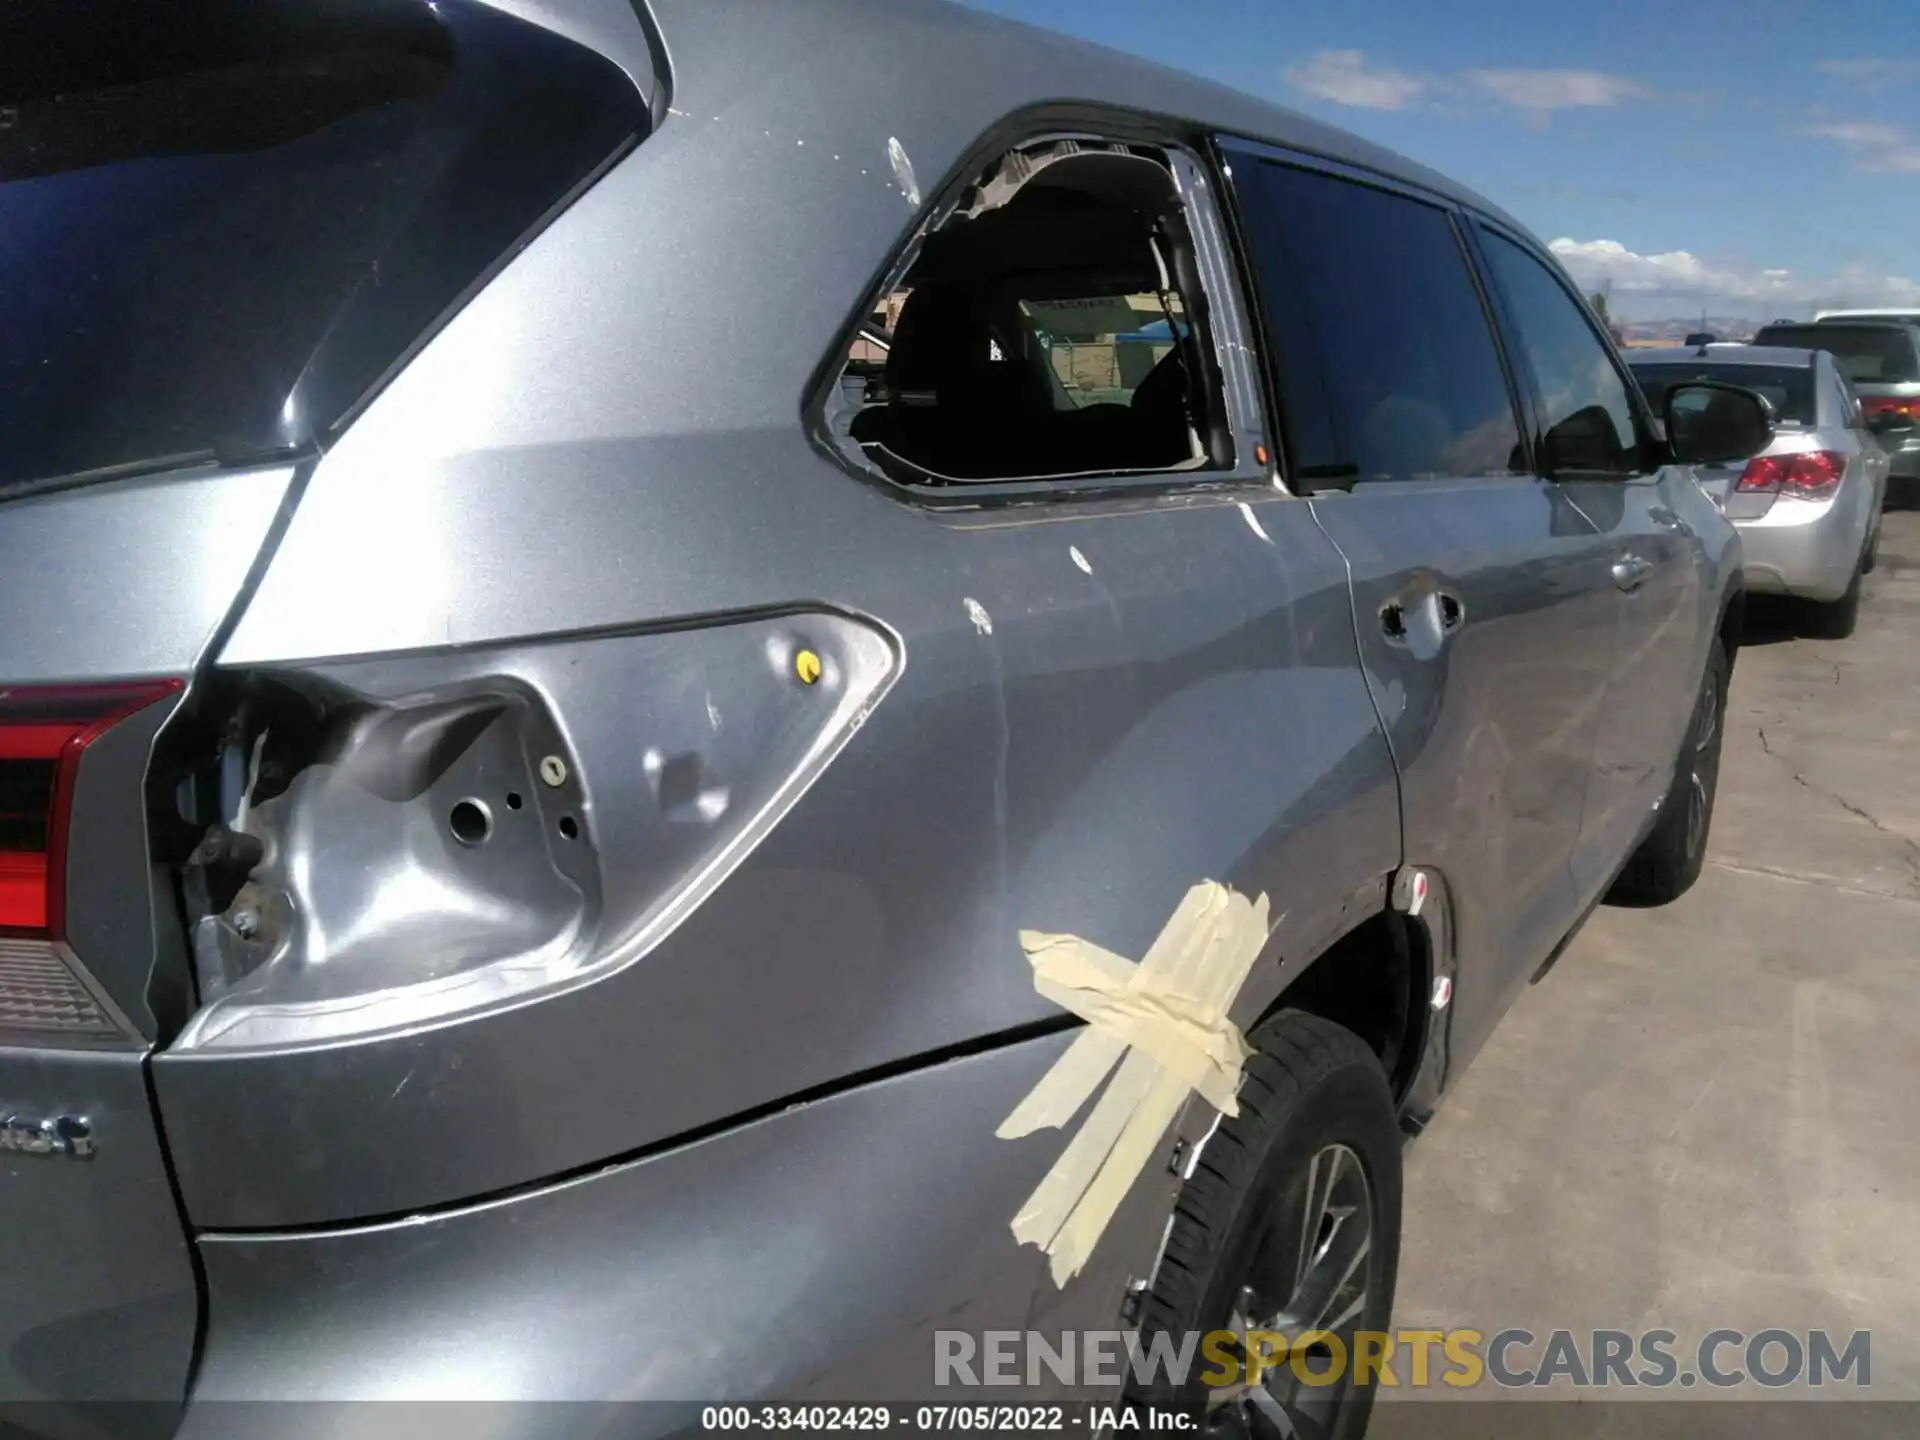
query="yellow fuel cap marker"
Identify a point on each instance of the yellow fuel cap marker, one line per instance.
(806, 665)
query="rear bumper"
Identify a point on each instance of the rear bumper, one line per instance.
(97, 1303)
(808, 1256)
(1807, 548)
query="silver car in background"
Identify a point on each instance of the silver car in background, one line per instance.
(1808, 507)
(1879, 352)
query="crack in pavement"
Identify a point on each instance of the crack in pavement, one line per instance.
(1825, 882)
(1907, 843)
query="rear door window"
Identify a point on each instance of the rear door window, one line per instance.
(225, 222)
(1409, 383)
(1789, 391)
(1587, 420)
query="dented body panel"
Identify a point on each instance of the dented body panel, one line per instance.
(642, 805)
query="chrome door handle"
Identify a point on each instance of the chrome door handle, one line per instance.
(1630, 572)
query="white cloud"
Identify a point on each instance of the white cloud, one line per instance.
(1543, 90)
(1874, 144)
(1856, 132)
(1346, 78)
(1681, 278)
(1877, 73)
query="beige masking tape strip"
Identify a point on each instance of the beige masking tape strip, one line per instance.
(1164, 1023)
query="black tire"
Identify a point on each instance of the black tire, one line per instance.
(1315, 1111)
(1836, 619)
(1669, 859)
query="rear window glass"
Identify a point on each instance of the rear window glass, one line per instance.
(226, 222)
(1789, 391)
(1871, 355)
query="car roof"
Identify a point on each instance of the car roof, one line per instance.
(796, 149)
(927, 43)
(1779, 356)
(1904, 311)
(1840, 322)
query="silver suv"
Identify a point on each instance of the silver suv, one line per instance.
(643, 647)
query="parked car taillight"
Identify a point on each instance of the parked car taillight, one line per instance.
(43, 733)
(1811, 474)
(1890, 405)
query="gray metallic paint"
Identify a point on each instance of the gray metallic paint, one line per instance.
(164, 561)
(583, 462)
(99, 1301)
(1493, 727)
(129, 580)
(1046, 774)
(633, 1283)
(668, 478)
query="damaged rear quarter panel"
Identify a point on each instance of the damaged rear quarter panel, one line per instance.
(1100, 703)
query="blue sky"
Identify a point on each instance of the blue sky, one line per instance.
(1756, 159)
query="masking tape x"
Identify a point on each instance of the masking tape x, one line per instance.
(1164, 1024)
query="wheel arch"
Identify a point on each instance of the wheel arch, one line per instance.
(1376, 978)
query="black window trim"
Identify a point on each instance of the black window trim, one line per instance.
(1226, 307)
(1519, 394)
(1646, 433)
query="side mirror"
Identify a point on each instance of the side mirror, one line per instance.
(1892, 424)
(1709, 423)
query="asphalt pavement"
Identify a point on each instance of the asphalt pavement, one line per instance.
(1708, 1116)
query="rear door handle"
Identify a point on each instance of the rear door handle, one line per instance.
(1441, 610)
(1630, 572)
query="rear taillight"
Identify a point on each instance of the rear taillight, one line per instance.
(1810, 474)
(43, 733)
(1889, 405)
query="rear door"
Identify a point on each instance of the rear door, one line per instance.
(1482, 601)
(1593, 442)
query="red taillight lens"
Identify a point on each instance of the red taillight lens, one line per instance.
(1888, 405)
(43, 733)
(1810, 475)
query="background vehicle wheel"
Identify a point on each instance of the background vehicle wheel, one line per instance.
(1289, 1223)
(1669, 859)
(1837, 619)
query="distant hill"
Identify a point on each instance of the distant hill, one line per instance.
(1647, 333)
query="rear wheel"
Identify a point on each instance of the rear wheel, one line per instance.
(1669, 859)
(1289, 1224)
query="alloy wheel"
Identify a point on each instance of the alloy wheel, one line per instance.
(1309, 1271)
